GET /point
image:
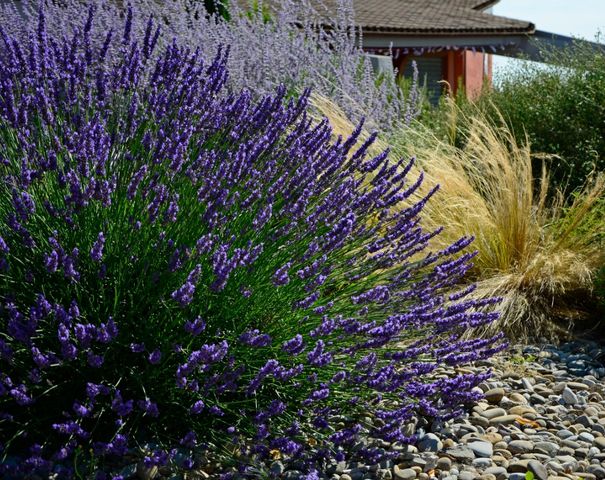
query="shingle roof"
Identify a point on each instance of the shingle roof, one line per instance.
(427, 17)
(433, 17)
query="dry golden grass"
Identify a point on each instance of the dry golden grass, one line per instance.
(534, 251)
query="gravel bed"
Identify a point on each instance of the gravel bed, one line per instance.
(543, 412)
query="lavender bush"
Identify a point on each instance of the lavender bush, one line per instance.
(301, 45)
(190, 266)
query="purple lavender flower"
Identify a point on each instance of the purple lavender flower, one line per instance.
(255, 339)
(118, 446)
(281, 275)
(184, 294)
(155, 357)
(217, 411)
(41, 360)
(121, 407)
(3, 246)
(195, 326)
(71, 428)
(197, 407)
(51, 261)
(189, 440)
(136, 180)
(137, 347)
(150, 408)
(209, 193)
(94, 360)
(81, 410)
(69, 266)
(294, 346)
(19, 394)
(96, 252)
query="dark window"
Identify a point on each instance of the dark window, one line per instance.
(430, 73)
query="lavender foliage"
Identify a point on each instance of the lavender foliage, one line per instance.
(180, 261)
(297, 43)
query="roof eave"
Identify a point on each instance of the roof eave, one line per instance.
(396, 40)
(485, 4)
(530, 30)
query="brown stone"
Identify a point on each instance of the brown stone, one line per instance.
(494, 395)
(492, 437)
(518, 398)
(521, 410)
(504, 420)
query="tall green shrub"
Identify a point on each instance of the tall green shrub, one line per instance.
(561, 108)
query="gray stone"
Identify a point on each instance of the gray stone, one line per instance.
(482, 463)
(568, 396)
(598, 428)
(384, 474)
(516, 476)
(481, 449)
(479, 420)
(586, 437)
(536, 398)
(520, 466)
(430, 443)
(571, 444)
(277, 468)
(461, 453)
(555, 466)
(487, 476)
(550, 448)
(403, 473)
(596, 470)
(581, 453)
(585, 421)
(339, 467)
(356, 474)
(600, 442)
(465, 475)
(493, 413)
(566, 451)
(539, 470)
(520, 446)
(444, 464)
(568, 462)
(498, 472)
(563, 434)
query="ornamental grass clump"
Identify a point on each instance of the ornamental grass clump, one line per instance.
(180, 267)
(539, 249)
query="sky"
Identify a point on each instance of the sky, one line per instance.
(578, 18)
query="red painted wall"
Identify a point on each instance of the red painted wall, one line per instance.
(474, 73)
(469, 70)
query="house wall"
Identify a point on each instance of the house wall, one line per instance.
(469, 70)
(474, 73)
(461, 69)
